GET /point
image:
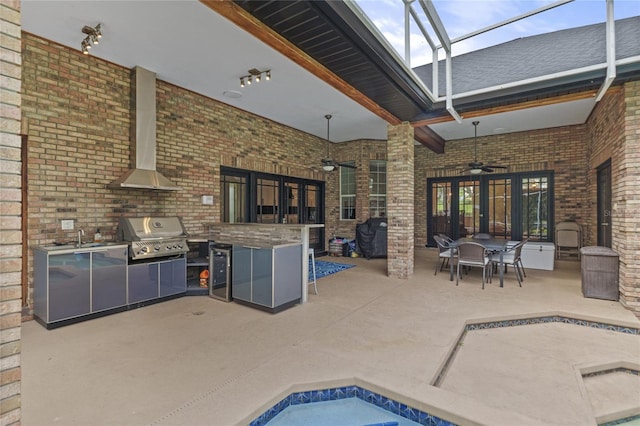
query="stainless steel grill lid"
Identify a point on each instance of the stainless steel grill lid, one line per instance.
(153, 236)
(145, 228)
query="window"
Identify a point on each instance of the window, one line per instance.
(234, 198)
(377, 188)
(252, 197)
(348, 192)
(267, 201)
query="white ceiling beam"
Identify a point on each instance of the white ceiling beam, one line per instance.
(512, 20)
(449, 103)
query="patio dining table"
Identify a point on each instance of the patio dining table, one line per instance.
(496, 245)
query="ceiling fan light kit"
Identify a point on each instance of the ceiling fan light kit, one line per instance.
(478, 167)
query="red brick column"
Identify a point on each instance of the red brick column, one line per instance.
(400, 199)
(10, 213)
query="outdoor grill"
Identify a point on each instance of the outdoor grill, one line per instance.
(153, 237)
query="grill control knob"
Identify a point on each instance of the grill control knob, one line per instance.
(144, 249)
(156, 248)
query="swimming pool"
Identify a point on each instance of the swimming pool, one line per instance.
(347, 405)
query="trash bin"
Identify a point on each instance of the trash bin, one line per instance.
(599, 267)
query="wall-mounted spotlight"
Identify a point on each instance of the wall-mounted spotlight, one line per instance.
(93, 37)
(254, 74)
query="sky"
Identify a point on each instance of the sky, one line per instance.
(461, 17)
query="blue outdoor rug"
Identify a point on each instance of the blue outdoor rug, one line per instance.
(327, 268)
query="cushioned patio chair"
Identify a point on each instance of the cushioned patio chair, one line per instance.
(473, 254)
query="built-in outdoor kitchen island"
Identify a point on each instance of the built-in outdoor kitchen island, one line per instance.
(269, 262)
(76, 282)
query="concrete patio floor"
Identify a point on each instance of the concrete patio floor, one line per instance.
(200, 361)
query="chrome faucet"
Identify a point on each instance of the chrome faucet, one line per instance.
(80, 234)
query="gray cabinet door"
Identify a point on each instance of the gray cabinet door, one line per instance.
(262, 277)
(69, 285)
(241, 273)
(287, 274)
(173, 277)
(143, 282)
(108, 279)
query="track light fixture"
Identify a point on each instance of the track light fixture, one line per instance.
(93, 37)
(254, 74)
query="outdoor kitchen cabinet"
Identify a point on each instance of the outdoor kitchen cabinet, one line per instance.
(75, 284)
(269, 278)
(154, 280)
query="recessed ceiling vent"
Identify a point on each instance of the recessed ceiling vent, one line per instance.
(143, 133)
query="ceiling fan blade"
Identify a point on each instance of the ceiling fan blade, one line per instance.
(350, 166)
(494, 166)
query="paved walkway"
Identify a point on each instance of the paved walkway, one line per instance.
(200, 361)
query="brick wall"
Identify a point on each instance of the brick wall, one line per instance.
(10, 213)
(361, 152)
(614, 129)
(563, 150)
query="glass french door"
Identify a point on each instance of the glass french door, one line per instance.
(604, 204)
(536, 203)
(469, 213)
(513, 206)
(499, 208)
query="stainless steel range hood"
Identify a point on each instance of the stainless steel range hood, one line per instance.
(143, 129)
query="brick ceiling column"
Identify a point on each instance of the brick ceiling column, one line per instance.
(400, 200)
(626, 210)
(11, 208)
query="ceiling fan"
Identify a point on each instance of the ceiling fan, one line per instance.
(328, 164)
(477, 167)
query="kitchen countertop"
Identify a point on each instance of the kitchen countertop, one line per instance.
(70, 248)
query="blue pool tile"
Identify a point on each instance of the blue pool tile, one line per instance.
(366, 395)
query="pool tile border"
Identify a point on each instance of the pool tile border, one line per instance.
(620, 421)
(352, 391)
(552, 319)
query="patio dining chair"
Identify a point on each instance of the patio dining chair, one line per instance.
(445, 253)
(512, 257)
(473, 254)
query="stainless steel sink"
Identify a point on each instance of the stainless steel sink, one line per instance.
(92, 245)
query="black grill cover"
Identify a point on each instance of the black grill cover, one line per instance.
(371, 237)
